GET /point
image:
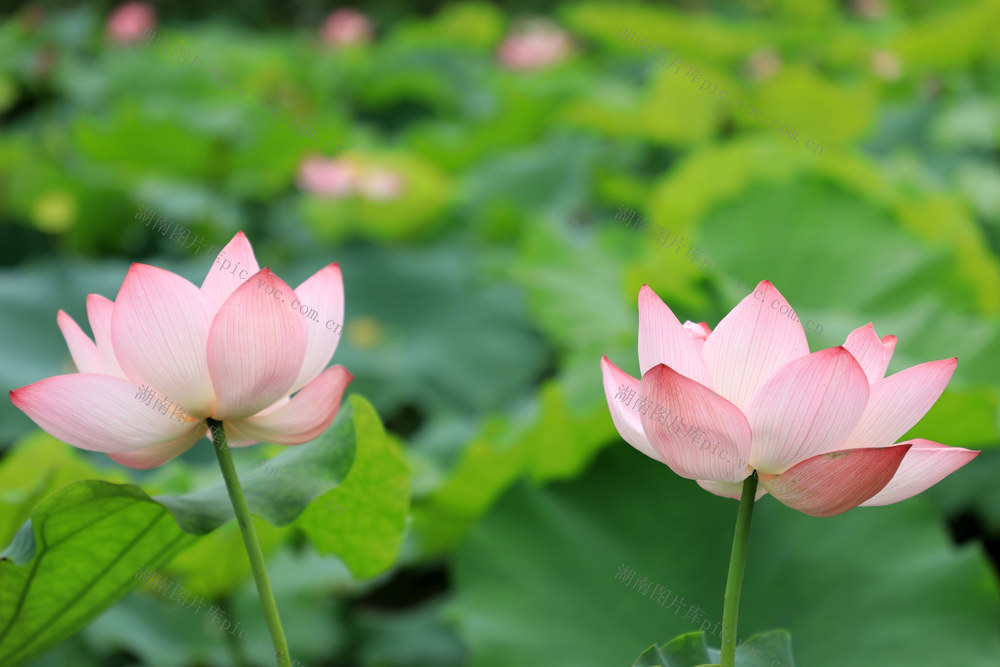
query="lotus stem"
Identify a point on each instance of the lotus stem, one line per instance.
(734, 581)
(254, 552)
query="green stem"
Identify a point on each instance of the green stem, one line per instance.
(734, 581)
(243, 517)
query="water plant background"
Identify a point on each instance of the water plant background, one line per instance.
(479, 158)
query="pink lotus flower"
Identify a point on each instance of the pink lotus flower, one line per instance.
(129, 22)
(534, 45)
(328, 178)
(347, 26)
(239, 350)
(817, 428)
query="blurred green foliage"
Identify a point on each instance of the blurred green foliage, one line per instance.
(482, 294)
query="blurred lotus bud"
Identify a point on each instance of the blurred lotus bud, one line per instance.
(534, 45)
(380, 185)
(364, 332)
(54, 211)
(869, 9)
(32, 17)
(327, 178)
(128, 22)
(931, 87)
(764, 63)
(886, 65)
(347, 26)
(44, 61)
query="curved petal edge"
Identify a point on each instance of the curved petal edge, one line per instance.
(926, 464)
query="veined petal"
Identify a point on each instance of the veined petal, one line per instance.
(732, 490)
(835, 482)
(868, 351)
(234, 439)
(621, 390)
(99, 311)
(86, 356)
(233, 266)
(99, 413)
(806, 408)
(255, 347)
(303, 418)
(159, 328)
(722, 453)
(150, 457)
(926, 464)
(663, 340)
(759, 336)
(898, 402)
(274, 406)
(322, 296)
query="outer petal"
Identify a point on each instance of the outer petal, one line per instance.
(869, 352)
(752, 342)
(99, 310)
(619, 383)
(732, 490)
(150, 457)
(835, 482)
(889, 346)
(898, 402)
(232, 267)
(301, 419)
(86, 356)
(723, 453)
(663, 340)
(926, 464)
(322, 295)
(255, 347)
(806, 408)
(160, 328)
(98, 413)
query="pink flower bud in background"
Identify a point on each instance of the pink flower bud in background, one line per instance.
(534, 45)
(380, 185)
(128, 22)
(764, 63)
(328, 178)
(44, 61)
(32, 18)
(869, 9)
(885, 65)
(347, 26)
